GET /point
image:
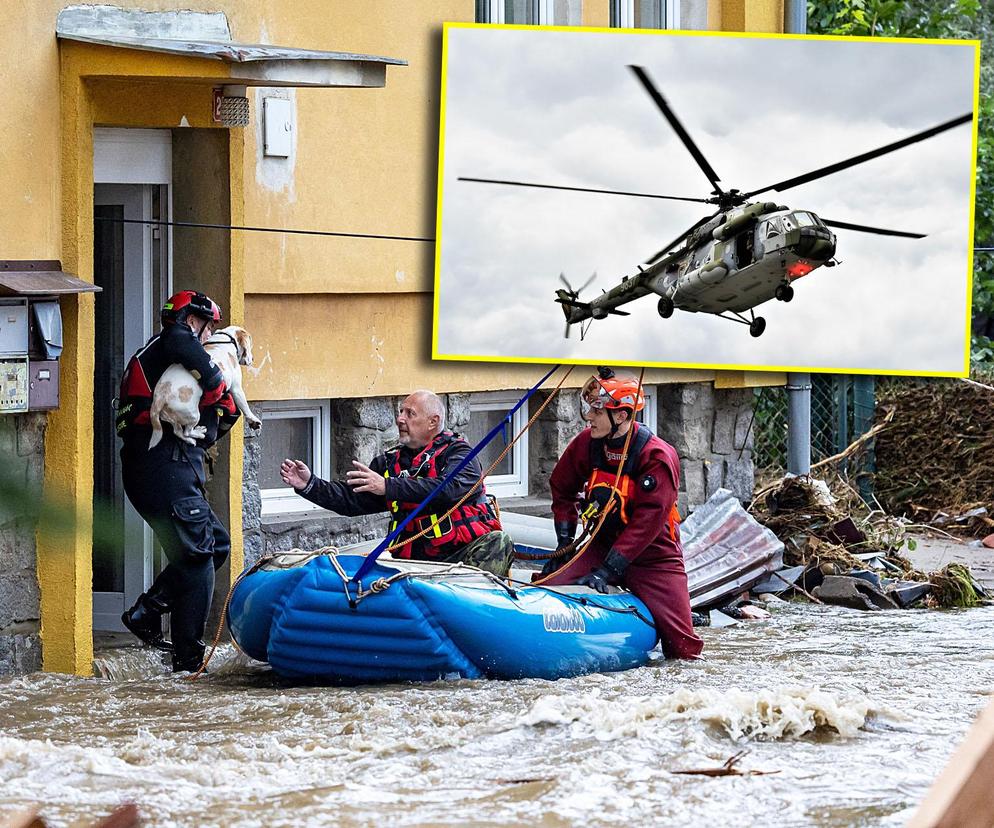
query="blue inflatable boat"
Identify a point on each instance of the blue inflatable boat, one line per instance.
(420, 621)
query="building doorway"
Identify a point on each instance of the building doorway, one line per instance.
(131, 262)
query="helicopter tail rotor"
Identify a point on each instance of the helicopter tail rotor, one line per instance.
(569, 299)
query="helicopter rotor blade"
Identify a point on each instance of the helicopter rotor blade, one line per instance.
(562, 278)
(587, 284)
(786, 184)
(674, 122)
(880, 231)
(655, 257)
(580, 189)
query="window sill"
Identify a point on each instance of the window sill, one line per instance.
(535, 506)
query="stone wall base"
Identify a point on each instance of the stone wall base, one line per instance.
(22, 469)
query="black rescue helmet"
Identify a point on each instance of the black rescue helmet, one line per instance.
(190, 303)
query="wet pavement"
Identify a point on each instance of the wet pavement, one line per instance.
(857, 712)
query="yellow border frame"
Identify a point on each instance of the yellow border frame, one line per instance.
(975, 44)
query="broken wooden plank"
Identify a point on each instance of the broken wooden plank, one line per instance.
(963, 794)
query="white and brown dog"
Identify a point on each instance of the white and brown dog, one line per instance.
(177, 394)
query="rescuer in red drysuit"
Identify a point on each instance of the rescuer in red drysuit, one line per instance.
(638, 546)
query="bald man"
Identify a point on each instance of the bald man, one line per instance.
(404, 476)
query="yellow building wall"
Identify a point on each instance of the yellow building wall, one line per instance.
(745, 15)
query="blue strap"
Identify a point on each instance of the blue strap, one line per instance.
(497, 429)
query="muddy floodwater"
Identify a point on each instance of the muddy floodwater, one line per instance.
(857, 713)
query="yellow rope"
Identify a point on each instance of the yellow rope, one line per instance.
(602, 517)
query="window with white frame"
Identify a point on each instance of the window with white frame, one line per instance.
(295, 429)
(510, 478)
(530, 12)
(648, 414)
(659, 14)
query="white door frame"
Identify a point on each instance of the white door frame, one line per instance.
(127, 165)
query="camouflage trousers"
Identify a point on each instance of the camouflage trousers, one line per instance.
(493, 552)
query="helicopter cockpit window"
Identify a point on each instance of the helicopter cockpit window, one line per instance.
(770, 227)
(804, 219)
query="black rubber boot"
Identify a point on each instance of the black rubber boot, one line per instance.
(189, 659)
(144, 620)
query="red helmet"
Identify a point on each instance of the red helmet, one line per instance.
(187, 303)
(605, 390)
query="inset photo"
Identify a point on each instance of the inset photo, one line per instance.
(706, 200)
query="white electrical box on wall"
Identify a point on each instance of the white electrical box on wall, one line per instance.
(277, 126)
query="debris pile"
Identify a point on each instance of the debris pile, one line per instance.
(838, 551)
(934, 459)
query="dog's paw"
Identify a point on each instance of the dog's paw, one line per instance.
(196, 433)
(255, 423)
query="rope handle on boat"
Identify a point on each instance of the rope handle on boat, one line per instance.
(575, 549)
(389, 547)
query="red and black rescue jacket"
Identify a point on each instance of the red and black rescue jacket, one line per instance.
(411, 475)
(174, 344)
(447, 536)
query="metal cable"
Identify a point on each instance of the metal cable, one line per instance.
(260, 229)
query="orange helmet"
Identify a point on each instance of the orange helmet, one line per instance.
(605, 390)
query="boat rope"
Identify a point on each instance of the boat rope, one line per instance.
(581, 544)
(455, 570)
(388, 544)
(585, 601)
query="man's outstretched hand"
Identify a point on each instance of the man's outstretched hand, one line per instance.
(364, 479)
(295, 473)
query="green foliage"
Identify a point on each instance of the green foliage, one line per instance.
(982, 349)
(894, 18)
(943, 19)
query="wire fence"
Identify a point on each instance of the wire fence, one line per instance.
(841, 410)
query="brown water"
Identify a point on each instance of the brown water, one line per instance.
(857, 712)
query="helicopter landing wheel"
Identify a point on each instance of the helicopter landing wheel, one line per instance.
(784, 293)
(665, 307)
(757, 326)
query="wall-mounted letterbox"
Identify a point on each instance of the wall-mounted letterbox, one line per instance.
(31, 332)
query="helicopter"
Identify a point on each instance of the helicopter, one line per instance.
(733, 260)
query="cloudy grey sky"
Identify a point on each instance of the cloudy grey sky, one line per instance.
(563, 108)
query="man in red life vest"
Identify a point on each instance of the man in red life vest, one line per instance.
(402, 477)
(638, 546)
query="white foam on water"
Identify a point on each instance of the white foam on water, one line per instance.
(781, 713)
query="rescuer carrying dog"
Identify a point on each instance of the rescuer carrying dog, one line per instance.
(166, 484)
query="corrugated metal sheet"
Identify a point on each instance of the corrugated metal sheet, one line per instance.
(726, 550)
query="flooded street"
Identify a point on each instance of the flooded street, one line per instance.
(856, 711)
